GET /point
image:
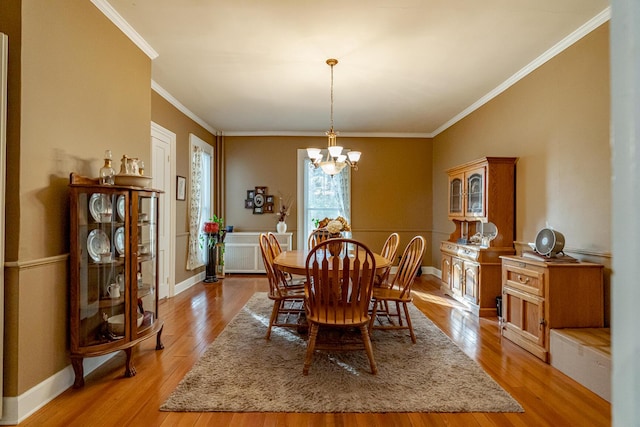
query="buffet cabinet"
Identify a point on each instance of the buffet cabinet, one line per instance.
(242, 251)
(113, 270)
(538, 296)
(471, 275)
(481, 205)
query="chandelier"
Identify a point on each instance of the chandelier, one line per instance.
(334, 161)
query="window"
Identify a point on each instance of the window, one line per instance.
(200, 198)
(320, 196)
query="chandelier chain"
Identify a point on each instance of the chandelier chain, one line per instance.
(332, 64)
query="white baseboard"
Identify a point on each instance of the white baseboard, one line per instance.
(186, 284)
(17, 409)
(432, 270)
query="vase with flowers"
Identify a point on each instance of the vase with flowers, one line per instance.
(283, 213)
(212, 237)
(335, 228)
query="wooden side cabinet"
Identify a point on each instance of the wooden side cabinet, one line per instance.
(114, 271)
(538, 296)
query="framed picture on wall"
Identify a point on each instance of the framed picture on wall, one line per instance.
(250, 194)
(261, 190)
(248, 204)
(258, 210)
(181, 188)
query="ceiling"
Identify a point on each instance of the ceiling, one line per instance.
(406, 67)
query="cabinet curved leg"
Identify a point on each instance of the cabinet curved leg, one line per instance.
(129, 370)
(159, 345)
(78, 369)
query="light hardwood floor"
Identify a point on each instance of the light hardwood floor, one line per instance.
(195, 317)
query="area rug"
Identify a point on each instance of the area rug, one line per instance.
(242, 372)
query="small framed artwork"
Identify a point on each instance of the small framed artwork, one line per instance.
(248, 204)
(268, 208)
(269, 199)
(257, 210)
(251, 194)
(261, 190)
(181, 187)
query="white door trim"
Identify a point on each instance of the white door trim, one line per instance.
(3, 145)
(165, 134)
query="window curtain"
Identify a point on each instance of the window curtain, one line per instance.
(194, 258)
(340, 184)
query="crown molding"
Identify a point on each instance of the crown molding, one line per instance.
(556, 49)
(124, 26)
(322, 134)
(173, 101)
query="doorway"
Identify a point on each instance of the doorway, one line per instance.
(163, 150)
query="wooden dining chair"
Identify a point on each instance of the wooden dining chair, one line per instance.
(275, 244)
(337, 295)
(318, 235)
(389, 251)
(288, 301)
(399, 292)
(276, 250)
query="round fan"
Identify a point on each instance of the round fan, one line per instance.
(549, 242)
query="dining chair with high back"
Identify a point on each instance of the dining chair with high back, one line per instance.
(337, 294)
(275, 244)
(317, 236)
(288, 301)
(398, 292)
(389, 251)
(276, 250)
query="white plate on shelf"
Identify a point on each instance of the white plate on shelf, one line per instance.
(118, 239)
(98, 244)
(99, 204)
(120, 207)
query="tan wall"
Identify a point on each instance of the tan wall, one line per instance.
(556, 121)
(85, 87)
(391, 191)
(169, 117)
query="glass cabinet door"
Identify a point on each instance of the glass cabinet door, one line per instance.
(455, 196)
(475, 194)
(145, 268)
(100, 296)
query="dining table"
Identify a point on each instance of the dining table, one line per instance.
(294, 262)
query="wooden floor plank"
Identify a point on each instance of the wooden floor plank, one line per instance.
(194, 318)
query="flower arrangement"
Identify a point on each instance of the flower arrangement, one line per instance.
(212, 231)
(285, 207)
(334, 226)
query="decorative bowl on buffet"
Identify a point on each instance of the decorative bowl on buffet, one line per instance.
(116, 323)
(132, 179)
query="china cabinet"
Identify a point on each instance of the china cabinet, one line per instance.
(113, 269)
(538, 296)
(481, 205)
